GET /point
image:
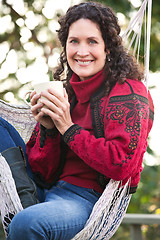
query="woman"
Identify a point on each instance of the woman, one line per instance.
(96, 132)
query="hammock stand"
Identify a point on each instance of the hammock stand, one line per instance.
(111, 207)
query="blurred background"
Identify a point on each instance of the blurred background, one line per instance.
(29, 51)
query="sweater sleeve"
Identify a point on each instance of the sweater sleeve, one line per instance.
(120, 153)
(43, 151)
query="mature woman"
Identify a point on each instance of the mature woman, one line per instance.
(96, 132)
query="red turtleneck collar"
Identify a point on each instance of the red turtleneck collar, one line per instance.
(85, 89)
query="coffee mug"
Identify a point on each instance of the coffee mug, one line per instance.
(44, 86)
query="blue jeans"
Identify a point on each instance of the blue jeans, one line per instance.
(64, 210)
(62, 215)
(9, 137)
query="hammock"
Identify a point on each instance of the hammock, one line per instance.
(134, 33)
(111, 207)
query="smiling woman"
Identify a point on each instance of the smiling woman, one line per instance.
(90, 138)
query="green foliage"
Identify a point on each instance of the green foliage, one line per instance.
(148, 232)
(147, 197)
(123, 6)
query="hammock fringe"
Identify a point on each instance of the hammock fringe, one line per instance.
(10, 203)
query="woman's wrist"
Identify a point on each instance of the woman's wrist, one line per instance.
(65, 128)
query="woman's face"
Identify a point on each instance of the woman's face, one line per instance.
(85, 48)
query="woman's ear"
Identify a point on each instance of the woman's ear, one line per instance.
(107, 51)
(108, 55)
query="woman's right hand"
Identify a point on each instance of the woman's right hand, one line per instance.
(39, 116)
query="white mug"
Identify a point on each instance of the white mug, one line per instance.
(44, 86)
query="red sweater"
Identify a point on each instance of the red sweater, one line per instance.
(125, 119)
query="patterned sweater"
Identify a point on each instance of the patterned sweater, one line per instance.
(109, 136)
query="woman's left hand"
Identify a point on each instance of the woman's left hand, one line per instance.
(58, 109)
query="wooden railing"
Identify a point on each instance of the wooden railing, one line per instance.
(137, 220)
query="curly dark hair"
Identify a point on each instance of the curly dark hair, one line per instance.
(120, 66)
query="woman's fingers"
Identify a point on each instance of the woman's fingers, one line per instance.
(58, 108)
(35, 105)
(39, 115)
(53, 97)
(32, 94)
(34, 97)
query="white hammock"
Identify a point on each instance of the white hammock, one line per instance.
(110, 209)
(134, 29)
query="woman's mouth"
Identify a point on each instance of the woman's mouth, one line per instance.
(82, 62)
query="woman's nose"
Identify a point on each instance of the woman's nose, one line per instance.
(82, 50)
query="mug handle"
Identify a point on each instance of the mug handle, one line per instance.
(26, 95)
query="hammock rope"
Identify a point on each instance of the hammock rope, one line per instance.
(148, 39)
(134, 31)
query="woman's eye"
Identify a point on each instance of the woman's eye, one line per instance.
(74, 41)
(92, 41)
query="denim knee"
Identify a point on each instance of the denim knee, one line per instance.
(26, 226)
(62, 216)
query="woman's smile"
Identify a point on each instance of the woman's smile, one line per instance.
(84, 62)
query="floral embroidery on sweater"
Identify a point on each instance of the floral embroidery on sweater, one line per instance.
(129, 109)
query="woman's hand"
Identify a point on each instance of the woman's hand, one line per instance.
(57, 111)
(39, 116)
